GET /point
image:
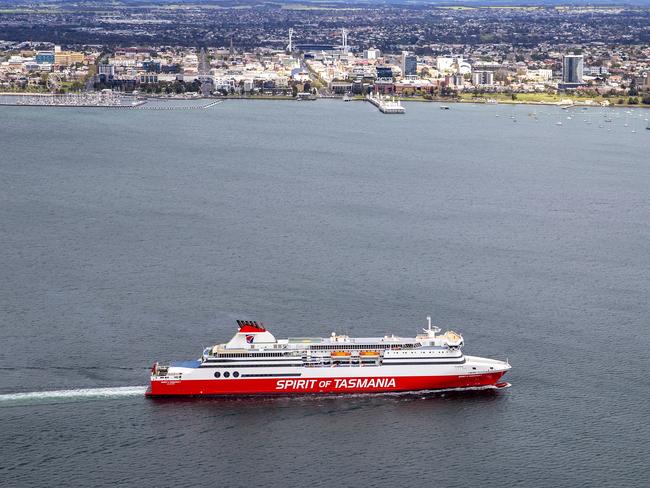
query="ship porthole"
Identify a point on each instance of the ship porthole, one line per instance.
(226, 374)
(217, 374)
(236, 374)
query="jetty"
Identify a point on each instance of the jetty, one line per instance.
(386, 105)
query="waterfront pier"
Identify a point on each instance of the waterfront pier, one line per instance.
(386, 105)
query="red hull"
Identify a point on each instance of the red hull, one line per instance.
(280, 386)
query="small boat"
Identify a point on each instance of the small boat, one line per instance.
(347, 98)
(558, 123)
(444, 107)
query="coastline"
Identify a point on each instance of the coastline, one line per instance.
(562, 103)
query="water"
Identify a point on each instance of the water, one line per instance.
(134, 236)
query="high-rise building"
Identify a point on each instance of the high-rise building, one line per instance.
(572, 68)
(483, 78)
(409, 64)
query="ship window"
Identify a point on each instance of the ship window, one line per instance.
(217, 374)
(236, 374)
(227, 374)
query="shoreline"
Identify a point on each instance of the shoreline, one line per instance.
(290, 98)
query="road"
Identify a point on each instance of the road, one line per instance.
(204, 74)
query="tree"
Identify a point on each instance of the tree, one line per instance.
(632, 101)
(646, 100)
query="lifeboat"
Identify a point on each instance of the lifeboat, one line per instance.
(372, 354)
(453, 338)
(341, 354)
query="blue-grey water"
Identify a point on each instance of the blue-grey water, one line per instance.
(133, 236)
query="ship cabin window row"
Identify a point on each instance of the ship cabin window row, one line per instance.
(249, 354)
(365, 346)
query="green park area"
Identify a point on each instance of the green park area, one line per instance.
(544, 97)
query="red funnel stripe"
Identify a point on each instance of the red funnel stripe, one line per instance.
(249, 326)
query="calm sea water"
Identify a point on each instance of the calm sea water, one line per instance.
(134, 236)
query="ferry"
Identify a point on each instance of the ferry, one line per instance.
(254, 362)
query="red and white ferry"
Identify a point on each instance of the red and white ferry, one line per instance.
(254, 362)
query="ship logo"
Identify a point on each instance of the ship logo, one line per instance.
(250, 338)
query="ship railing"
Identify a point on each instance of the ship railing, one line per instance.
(167, 376)
(345, 362)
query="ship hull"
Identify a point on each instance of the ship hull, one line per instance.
(317, 385)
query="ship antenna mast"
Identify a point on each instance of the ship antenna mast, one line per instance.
(431, 330)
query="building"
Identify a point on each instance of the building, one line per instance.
(341, 87)
(572, 69)
(482, 78)
(43, 57)
(539, 75)
(384, 72)
(67, 58)
(371, 53)
(444, 63)
(409, 64)
(457, 80)
(413, 87)
(596, 71)
(106, 73)
(106, 69)
(151, 66)
(148, 78)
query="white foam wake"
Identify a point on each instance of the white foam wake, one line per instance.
(70, 395)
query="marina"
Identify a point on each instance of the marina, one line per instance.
(90, 99)
(110, 100)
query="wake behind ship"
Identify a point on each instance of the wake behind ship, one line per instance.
(254, 362)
